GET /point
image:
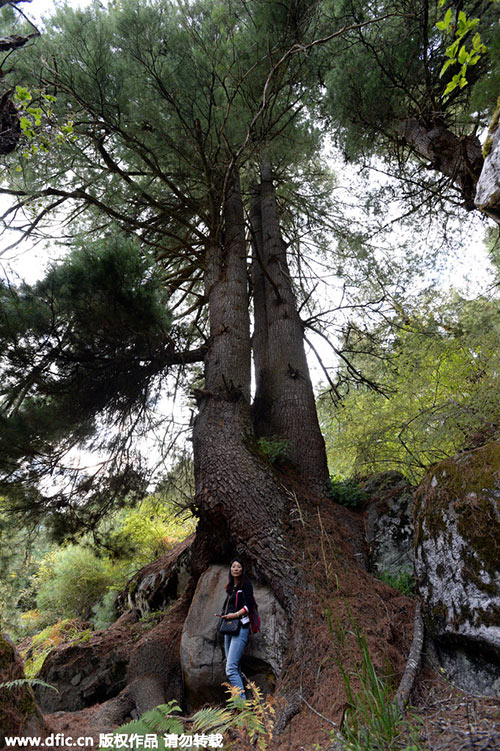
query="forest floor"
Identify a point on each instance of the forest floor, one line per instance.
(455, 721)
(328, 541)
(446, 718)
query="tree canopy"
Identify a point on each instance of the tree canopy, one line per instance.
(160, 128)
(395, 104)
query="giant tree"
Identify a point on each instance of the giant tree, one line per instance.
(168, 123)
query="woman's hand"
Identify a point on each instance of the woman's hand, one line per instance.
(230, 616)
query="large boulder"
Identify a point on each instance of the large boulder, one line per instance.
(457, 563)
(389, 524)
(488, 185)
(202, 654)
(89, 672)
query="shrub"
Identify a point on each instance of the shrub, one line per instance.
(103, 613)
(275, 449)
(72, 581)
(345, 492)
(402, 580)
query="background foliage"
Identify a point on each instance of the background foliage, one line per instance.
(437, 362)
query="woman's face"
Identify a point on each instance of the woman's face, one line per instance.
(236, 569)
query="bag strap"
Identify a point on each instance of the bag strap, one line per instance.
(226, 604)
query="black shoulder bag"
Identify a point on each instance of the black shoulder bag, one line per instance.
(230, 627)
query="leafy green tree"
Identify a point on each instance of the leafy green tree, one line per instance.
(71, 582)
(170, 110)
(174, 181)
(42, 581)
(386, 96)
(437, 368)
(88, 345)
(73, 579)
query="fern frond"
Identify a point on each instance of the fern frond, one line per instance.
(19, 682)
(169, 707)
(210, 718)
(159, 721)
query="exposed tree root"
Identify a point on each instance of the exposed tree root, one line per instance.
(413, 662)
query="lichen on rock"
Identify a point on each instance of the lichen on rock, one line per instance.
(457, 560)
(389, 524)
(488, 186)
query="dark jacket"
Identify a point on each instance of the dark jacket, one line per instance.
(245, 600)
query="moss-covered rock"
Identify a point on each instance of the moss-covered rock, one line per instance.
(389, 524)
(488, 186)
(457, 556)
(19, 714)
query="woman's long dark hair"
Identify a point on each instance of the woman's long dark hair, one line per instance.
(243, 577)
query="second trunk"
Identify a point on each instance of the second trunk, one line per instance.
(284, 404)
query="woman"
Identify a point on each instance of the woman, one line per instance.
(238, 605)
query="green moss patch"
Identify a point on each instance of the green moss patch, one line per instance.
(66, 631)
(469, 484)
(488, 144)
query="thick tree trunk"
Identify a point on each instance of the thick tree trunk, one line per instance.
(460, 159)
(240, 503)
(284, 403)
(243, 505)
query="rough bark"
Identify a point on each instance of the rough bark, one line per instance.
(240, 503)
(460, 159)
(284, 400)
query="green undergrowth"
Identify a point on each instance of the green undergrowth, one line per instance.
(275, 449)
(62, 632)
(241, 723)
(403, 580)
(346, 492)
(372, 720)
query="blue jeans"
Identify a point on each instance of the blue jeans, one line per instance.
(233, 647)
